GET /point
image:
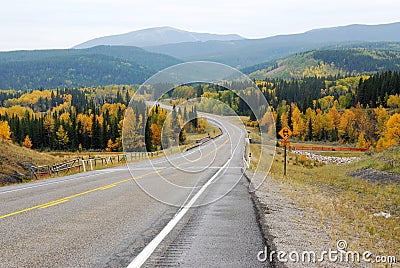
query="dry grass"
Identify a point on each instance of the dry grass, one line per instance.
(386, 161)
(344, 205)
(15, 159)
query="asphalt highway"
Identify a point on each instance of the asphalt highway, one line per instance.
(189, 210)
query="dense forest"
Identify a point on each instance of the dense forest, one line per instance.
(87, 118)
(357, 109)
(362, 110)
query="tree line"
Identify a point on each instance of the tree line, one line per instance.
(86, 118)
(354, 109)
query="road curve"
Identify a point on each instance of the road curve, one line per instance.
(106, 218)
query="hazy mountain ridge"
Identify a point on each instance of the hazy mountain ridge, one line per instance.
(156, 36)
(247, 52)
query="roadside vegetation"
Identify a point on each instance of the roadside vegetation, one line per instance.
(16, 160)
(342, 205)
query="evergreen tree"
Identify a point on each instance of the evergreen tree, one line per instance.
(278, 124)
(148, 137)
(127, 98)
(290, 113)
(182, 136)
(310, 130)
(175, 126)
(96, 141)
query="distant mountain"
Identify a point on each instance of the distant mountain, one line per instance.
(354, 48)
(247, 52)
(239, 52)
(102, 65)
(329, 62)
(156, 36)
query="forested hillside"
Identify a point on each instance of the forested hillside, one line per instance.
(103, 65)
(351, 61)
(71, 71)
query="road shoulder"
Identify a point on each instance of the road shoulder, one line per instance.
(288, 227)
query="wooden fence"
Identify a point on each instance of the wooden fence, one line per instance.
(81, 164)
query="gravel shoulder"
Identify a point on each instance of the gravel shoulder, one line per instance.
(288, 227)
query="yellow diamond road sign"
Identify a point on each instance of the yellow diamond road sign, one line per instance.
(285, 133)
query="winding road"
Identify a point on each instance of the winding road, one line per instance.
(189, 210)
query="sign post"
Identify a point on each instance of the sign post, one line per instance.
(285, 133)
(284, 162)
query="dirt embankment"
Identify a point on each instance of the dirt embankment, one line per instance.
(16, 160)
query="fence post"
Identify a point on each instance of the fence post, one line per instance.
(83, 165)
(91, 164)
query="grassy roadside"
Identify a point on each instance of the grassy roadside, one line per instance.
(343, 205)
(15, 160)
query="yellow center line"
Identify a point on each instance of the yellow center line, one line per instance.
(105, 187)
(197, 159)
(67, 198)
(53, 203)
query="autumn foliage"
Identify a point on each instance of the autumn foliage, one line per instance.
(5, 132)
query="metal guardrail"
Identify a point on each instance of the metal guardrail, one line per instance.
(200, 142)
(322, 148)
(203, 140)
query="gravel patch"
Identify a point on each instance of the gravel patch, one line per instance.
(374, 176)
(327, 159)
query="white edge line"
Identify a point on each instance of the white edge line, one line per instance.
(141, 258)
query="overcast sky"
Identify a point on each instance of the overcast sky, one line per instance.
(41, 24)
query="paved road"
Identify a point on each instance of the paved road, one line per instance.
(109, 218)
